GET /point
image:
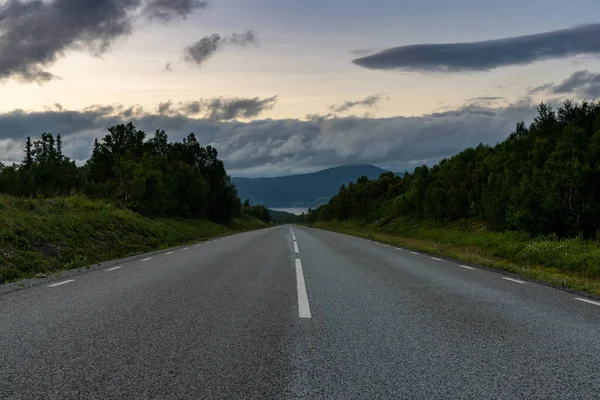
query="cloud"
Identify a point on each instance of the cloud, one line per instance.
(168, 67)
(164, 108)
(168, 10)
(369, 102)
(489, 54)
(227, 109)
(34, 34)
(200, 51)
(219, 109)
(278, 147)
(583, 83)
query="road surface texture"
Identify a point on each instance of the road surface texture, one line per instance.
(291, 313)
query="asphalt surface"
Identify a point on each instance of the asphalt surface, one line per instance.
(242, 318)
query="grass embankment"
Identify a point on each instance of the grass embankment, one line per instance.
(42, 236)
(571, 263)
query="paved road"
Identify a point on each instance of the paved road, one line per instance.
(256, 315)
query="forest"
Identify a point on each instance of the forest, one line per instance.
(153, 177)
(544, 180)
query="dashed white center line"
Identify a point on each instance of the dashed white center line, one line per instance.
(512, 280)
(186, 248)
(296, 247)
(61, 283)
(199, 244)
(114, 268)
(412, 252)
(386, 245)
(588, 301)
(169, 253)
(466, 267)
(398, 248)
(147, 259)
(436, 259)
(294, 237)
(303, 307)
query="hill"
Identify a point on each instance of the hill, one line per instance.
(304, 190)
(40, 236)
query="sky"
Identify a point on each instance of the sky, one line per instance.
(282, 86)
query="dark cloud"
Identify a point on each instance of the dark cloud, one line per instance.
(35, 34)
(165, 108)
(583, 83)
(190, 107)
(203, 49)
(243, 39)
(206, 47)
(369, 102)
(219, 109)
(227, 109)
(489, 54)
(167, 10)
(168, 67)
(486, 99)
(272, 147)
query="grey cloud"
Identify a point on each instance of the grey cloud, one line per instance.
(272, 147)
(35, 34)
(164, 108)
(486, 99)
(200, 51)
(243, 39)
(583, 83)
(190, 107)
(370, 102)
(168, 67)
(60, 25)
(227, 109)
(219, 109)
(167, 10)
(203, 49)
(489, 54)
(543, 88)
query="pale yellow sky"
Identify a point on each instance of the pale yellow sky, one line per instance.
(307, 82)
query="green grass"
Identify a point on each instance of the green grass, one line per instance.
(38, 237)
(570, 263)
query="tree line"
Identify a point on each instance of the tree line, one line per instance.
(543, 179)
(153, 177)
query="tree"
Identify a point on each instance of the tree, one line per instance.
(28, 161)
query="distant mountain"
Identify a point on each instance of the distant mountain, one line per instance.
(305, 190)
(281, 217)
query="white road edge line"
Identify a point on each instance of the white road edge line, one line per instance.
(147, 259)
(61, 283)
(296, 247)
(588, 301)
(398, 248)
(187, 248)
(169, 253)
(466, 267)
(303, 307)
(114, 268)
(512, 280)
(412, 252)
(436, 259)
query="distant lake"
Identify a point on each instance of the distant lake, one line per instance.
(296, 211)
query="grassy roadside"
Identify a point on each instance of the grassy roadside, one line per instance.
(38, 237)
(569, 264)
